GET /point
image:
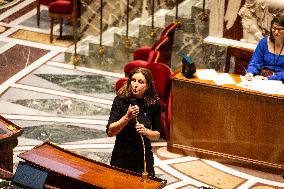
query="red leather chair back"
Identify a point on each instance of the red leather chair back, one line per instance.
(162, 81)
(169, 30)
(166, 53)
(153, 57)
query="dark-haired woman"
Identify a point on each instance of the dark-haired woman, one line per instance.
(268, 58)
(128, 122)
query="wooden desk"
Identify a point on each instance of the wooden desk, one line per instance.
(227, 123)
(9, 133)
(70, 170)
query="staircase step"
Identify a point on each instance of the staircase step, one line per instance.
(133, 32)
(197, 9)
(145, 27)
(107, 38)
(184, 15)
(82, 50)
(184, 9)
(123, 52)
(133, 28)
(188, 38)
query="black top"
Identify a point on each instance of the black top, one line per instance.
(128, 150)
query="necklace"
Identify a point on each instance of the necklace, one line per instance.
(276, 53)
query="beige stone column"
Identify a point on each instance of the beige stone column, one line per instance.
(216, 21)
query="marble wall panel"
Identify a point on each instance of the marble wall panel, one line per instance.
(214, 57)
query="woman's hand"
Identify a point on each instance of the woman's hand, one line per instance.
(259, 77)
(132, 112)
(249, 76)
(141, 129)
(117, 126)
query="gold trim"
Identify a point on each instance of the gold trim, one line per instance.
(158, 56)
(228, 156)
(164, 41)
(11, 127)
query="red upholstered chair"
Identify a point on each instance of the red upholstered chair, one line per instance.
(162, 81)
(153, 58)
(165, 48)
(63, 9)
(38, 4)
(163, 84)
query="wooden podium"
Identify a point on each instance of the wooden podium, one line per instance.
(9, 133)
(70, 170)
(227, 123)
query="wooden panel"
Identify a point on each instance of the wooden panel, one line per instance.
(227, 124)
(9, 133)
(67, 167)
(242, 58)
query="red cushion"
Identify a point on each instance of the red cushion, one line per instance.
(61, 7)
(134, 64)
(153, 57)
(141, 53)
(162, 79)
(46, 2)
(120, 82)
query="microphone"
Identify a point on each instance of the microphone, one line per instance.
(133, 102)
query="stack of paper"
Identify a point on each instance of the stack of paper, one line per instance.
(218, 78)
(265, 86)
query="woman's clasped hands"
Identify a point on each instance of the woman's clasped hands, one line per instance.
(132, 112)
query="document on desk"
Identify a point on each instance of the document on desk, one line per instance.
(224, 78)
(264, 86)
(218, 78)
(207, 74)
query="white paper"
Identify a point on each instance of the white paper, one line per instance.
(264, 86)
(224, 78)
(207, 74)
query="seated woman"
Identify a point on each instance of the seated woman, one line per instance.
(268, 58)
(135, 113)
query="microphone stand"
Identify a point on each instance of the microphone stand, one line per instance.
(144, 174)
